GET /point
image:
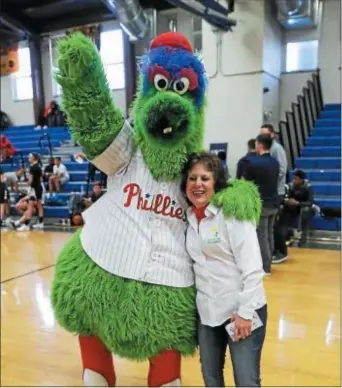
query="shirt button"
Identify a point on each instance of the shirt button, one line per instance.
(163, 186)
(154, 255)
(158, 223)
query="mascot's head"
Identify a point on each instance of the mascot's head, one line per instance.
(168, 110)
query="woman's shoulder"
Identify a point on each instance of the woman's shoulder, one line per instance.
(240, 201)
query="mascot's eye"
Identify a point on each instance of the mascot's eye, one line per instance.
(161, 82)
(181, 86)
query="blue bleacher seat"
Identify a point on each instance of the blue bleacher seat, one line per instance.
(326, 131)
(335, 122)
(326, 188)
(323, 141)
(322, 151)
(306, 163)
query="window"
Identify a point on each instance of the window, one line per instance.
(56, 88)
(112, 54)
(21, 80)
(197, 33)
(302, 55)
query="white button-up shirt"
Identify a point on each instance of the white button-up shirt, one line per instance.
(137, 229)
(228, 266)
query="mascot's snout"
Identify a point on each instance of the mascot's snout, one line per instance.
(169, 116)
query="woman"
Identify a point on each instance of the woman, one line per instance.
(34, 199)
(228, 276)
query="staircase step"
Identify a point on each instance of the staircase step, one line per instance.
(318, 163)
(326, 151)
(330, 114)
(326, 202)
(326, 131)
(326, 188)
(323, 140)
(332, 107)
(328, 123)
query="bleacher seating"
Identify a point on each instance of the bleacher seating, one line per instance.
(321, 160)
(25, 140)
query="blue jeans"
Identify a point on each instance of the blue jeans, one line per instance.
(245, 354)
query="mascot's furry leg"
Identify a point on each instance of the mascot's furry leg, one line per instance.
(98, 367)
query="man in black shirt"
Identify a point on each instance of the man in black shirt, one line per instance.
(242, 163)
(263, 170)
(97, 194)
(48, 171)
(298, 204)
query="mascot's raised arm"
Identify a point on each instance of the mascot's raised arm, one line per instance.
(124, 283)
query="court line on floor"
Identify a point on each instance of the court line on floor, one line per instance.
(27, 273)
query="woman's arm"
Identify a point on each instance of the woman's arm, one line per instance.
(245, 246)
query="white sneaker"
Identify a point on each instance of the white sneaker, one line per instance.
(40, 225)
(93, 379)
(174, 383)
(23, 228)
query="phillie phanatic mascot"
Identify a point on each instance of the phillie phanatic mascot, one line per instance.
(124, 283)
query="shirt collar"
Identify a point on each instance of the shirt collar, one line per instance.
(211, 210)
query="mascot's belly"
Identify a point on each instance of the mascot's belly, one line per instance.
(135, 320)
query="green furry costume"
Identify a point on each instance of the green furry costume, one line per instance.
(135, 319)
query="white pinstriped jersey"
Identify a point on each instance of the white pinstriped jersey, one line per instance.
(137, 229)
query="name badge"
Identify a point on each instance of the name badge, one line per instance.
(215, 238)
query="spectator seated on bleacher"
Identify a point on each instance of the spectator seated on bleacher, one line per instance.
(48, 170)
(12, 178)
(5, 121)
(97, 194)
(78, 203)
(53, 117)
(6, 148)
(59, 177)
(298, 207)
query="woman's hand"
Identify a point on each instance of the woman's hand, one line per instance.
(243, 327)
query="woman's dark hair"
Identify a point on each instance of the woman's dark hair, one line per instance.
(212, 162)
(37, 158)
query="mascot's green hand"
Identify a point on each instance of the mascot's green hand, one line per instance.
(87, 99)
(240, 200)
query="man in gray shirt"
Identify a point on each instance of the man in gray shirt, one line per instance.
(278, 152)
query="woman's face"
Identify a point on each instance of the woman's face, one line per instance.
(200, 185)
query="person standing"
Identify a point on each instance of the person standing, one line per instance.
(228, 276)
(244, 160)
(263, 170)
(278, 152)
(34, 197)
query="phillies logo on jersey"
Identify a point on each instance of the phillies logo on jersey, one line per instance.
(158, 204)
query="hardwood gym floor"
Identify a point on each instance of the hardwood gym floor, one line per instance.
(302, 345)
